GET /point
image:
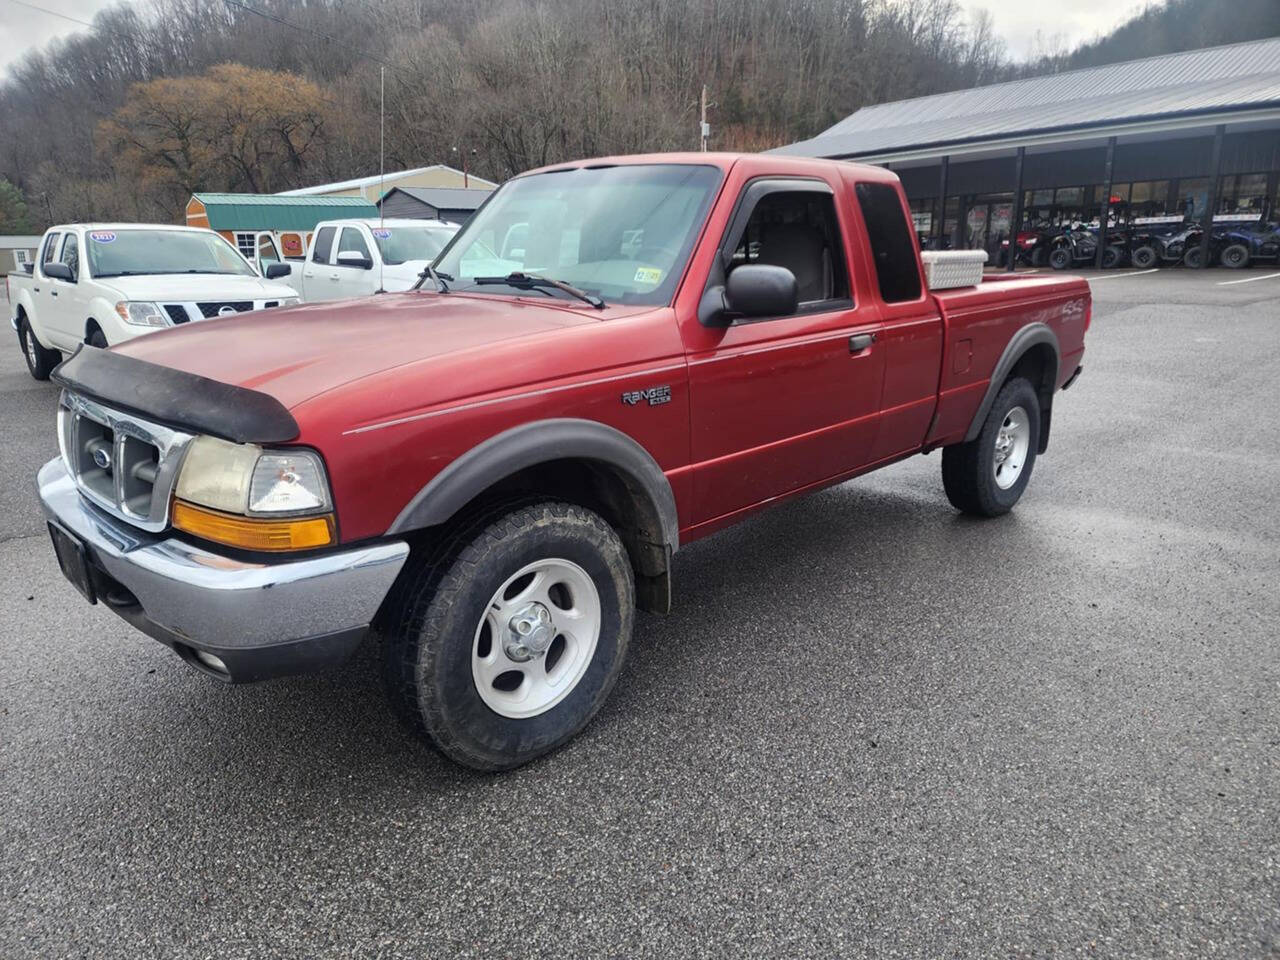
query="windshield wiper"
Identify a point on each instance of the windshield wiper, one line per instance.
(528, 281)
(436, 277)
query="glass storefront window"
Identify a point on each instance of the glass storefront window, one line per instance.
(1244, 193)
(1193, 196)
(1148, 198)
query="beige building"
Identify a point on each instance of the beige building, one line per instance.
(372, 188)
(17, 251)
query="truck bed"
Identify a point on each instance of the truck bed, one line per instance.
(979, 322)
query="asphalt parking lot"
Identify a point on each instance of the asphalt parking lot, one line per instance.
(870, 727)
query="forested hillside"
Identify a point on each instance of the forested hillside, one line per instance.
(164, 97)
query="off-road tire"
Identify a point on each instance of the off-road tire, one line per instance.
(1144, 257)
(429, 627)
(1235, 256)
(1192, 258)
(1060, 258)
(40, 359)
(967, 468)
(1112, 257)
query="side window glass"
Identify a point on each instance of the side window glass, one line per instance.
(891, 246)
(267, 250)
(798, 229)
(50, 244)
(71, 255)
(353, 242)
(324, 243)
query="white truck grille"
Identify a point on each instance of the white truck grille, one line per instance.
(124, 464)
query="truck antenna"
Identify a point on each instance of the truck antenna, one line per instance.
(382, 164)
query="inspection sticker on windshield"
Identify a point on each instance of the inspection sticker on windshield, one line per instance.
(102, 236)
(648, 275)
(382, 234)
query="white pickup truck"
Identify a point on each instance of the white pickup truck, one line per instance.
(358, 258)
(106, 283)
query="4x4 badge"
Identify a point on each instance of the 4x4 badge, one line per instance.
(655, 395)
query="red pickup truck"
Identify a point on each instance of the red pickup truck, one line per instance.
(612, 359)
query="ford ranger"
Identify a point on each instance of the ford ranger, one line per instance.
(494, 470)
(102, 284)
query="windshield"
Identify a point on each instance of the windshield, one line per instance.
(621, 233)
(130, 253)
(401, 244)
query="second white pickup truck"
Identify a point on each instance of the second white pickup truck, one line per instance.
(358, 258)
(106, 283)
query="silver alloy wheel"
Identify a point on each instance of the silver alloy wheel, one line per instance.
(29, 339)
(536, 639)
(1012, 443)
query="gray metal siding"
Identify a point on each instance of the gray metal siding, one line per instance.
(400, 204)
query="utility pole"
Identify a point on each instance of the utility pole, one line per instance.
(704, 128)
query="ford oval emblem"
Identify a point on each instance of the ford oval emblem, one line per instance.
(102, 458)
(227, 310)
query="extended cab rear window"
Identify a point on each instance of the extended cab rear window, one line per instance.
(324, 242)
(892, 248)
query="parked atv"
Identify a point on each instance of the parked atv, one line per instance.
(1242, 245)
(1027, 241)
(1076, 246)
(1170, 245)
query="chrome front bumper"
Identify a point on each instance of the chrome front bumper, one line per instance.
(258, 619)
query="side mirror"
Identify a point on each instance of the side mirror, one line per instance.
(58, 271)
(349, 258)
(29, 267)
(761, 290)
(276, 270)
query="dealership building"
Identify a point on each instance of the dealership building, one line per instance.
(1184, 136)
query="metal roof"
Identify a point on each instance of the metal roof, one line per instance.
(19, 241)
(256, 211)
(361, 182)
(1215, 79)
(445, 198)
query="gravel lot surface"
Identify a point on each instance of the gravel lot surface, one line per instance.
(870, 728)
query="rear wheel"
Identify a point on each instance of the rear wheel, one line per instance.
(1193, 258)
(1112, 256)
(1144, 256)
(40, 359)
(504, 644)
(986, 475)
(1060, 257)
(1235, 256)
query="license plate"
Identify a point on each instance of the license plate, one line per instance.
(71, 559)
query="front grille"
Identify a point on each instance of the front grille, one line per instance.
(124, 464)
(177, 312)
(215, 309)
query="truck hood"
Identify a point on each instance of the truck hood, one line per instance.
(295, 353)
(187, 287)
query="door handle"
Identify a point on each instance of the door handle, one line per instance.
(860, 341)
(54, 292)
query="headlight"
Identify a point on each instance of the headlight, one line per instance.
(265, 499)
(142, 313)
(290, 301)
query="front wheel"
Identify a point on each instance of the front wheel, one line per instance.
(1144, 256)
(1060, 257)
(1193, 258)
(40, 359)
(1112, 256)
(987, 475)
(1235, 256)
(502, 646)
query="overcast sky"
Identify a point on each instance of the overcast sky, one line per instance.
(1016, 21)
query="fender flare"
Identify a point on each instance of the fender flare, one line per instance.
(1033, 334)
(527, 445)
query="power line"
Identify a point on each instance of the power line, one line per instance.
(297, 26)
(52, 13)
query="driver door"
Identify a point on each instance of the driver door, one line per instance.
(782, 403)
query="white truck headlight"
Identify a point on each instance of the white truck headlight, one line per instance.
(142, 313)
(264, 499)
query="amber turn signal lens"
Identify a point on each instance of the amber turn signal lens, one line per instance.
(251, 533)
